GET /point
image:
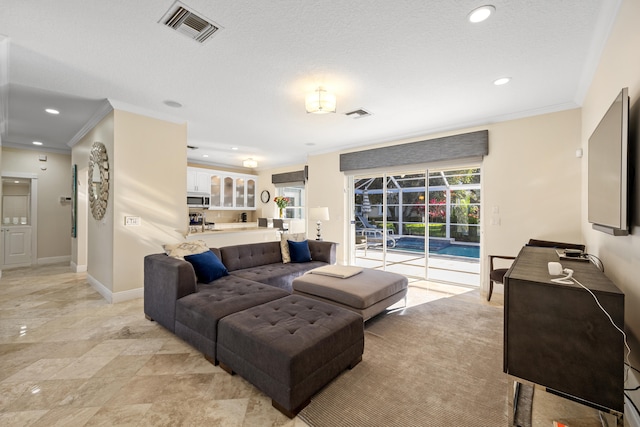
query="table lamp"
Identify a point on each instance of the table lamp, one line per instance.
(319, 214)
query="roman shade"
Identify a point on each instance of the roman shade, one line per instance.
(467, 145)
(289, 179)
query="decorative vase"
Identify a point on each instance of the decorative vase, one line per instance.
(281, 212)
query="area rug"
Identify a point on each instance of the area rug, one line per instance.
(435, 364)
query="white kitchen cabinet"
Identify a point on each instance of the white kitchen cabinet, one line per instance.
(238, 191)
(229, 190)
(198, 180)
(216, 191)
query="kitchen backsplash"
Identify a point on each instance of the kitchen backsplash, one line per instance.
(220, 217)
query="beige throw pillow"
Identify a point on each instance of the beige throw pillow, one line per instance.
(284, 246)
(179, 250)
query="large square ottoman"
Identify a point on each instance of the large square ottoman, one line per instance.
(290, 348)
(365, 291)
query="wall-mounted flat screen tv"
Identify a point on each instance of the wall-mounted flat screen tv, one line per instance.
(608, 173)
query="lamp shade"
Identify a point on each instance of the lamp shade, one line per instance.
(320, 102)
(319, 214)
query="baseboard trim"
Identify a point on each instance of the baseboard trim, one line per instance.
(77, 268)
(102, 289)
(54, 260)
(127, 295)
(111, 297)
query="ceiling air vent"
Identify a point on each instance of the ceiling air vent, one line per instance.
(192, 147)
(187, 22)
(357, 114)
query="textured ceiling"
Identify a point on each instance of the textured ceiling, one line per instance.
(417, 65)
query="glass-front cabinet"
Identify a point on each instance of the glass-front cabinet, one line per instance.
(216, 191)
(227, 192)
(240, 193)
(232, 191)
(251, 193)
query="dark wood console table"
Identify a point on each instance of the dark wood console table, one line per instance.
(556, 336)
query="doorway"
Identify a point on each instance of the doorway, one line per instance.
(423, 224)
(18, 231)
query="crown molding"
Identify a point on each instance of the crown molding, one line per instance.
(100, 114)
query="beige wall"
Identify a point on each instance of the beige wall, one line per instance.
(531, 175)
(147, 163)
(54, 217)
(93, 247)
(149, 181)
(619, 67)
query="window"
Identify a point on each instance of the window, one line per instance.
(295, 208)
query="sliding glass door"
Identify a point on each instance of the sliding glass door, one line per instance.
(392, 213)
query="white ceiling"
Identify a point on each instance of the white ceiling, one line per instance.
(417, 65)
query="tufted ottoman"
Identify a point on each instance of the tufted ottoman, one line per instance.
(365, 291)
(290, 348)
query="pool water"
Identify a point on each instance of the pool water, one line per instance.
(438, 247)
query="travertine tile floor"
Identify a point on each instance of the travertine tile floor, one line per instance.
(68, 358)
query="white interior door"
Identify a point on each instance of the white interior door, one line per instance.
(17, 245)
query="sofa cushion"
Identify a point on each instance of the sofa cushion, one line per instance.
(207, 266)
(278, 274)
(179, 250)
(238, 257)
(202, 310)
(299, 251)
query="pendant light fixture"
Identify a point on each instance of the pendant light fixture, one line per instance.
(249, 163)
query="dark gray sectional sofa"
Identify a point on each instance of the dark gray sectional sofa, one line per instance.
(175, 299)
(257, 277)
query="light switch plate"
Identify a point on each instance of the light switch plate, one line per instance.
(132, 221)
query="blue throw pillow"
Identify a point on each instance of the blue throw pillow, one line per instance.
(207, 266)
(299, 251)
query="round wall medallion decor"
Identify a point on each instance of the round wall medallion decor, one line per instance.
(265, 197)
(98, 180)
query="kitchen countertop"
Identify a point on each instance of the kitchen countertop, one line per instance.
(219, 237)
(248, 229)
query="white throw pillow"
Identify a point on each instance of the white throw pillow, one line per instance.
(179, 250)
(284, 246)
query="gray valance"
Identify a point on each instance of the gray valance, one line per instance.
(466, 145)
(290, 178)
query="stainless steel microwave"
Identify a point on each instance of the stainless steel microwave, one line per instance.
(198, 200)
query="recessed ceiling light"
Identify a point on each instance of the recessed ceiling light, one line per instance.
(234, 148)
(172, 104)
(205, 155)
(481, 13)
(52, 111)
(502, 81)
(37, 143)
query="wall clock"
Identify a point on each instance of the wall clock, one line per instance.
(265, 196)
